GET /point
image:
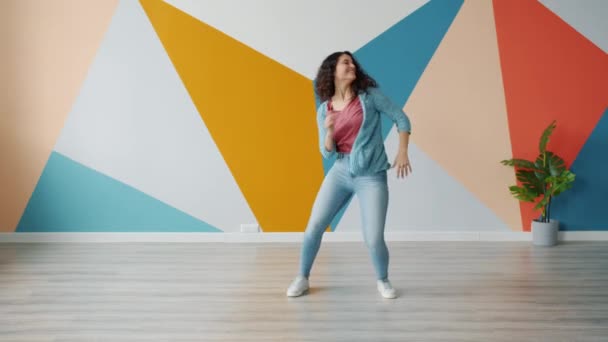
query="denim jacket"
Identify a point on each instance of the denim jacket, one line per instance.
(367, 155)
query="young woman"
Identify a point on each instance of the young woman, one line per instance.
(349, 125)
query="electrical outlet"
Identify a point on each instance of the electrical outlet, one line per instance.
(250, 228)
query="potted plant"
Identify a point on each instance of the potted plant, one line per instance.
(541, 180)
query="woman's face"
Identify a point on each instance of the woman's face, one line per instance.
(345, 69)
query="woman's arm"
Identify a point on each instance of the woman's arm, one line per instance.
(327, 144)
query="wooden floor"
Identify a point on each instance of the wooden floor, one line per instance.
(449, 291)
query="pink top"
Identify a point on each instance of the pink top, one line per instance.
(347, 124)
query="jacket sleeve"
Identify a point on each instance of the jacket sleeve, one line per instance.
(384, 105)
(322, 132)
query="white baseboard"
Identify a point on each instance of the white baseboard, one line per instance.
(584, 236)
(287, 237)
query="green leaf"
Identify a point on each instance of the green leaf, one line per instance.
(540, 162)
(522, 194)
(522, 163)
(555, 164)
(544, 139)
(540, 176)
(561, 183)
(529, 181)
(550, 164)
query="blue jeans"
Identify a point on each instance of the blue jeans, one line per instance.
(337, 188)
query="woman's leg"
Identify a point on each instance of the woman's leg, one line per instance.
(372, 192)
(333, 194)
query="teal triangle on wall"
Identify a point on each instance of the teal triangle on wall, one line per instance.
(71, 197)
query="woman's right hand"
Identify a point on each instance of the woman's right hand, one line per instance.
(330, 120)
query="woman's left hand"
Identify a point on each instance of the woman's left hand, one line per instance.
(402, 163)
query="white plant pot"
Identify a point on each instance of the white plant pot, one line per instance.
(545, 233)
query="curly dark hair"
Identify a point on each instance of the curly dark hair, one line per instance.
(324, 82)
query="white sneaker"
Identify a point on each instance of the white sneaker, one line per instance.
(298, 287)
(386, 289)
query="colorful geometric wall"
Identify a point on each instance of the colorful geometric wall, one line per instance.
(188, 116)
